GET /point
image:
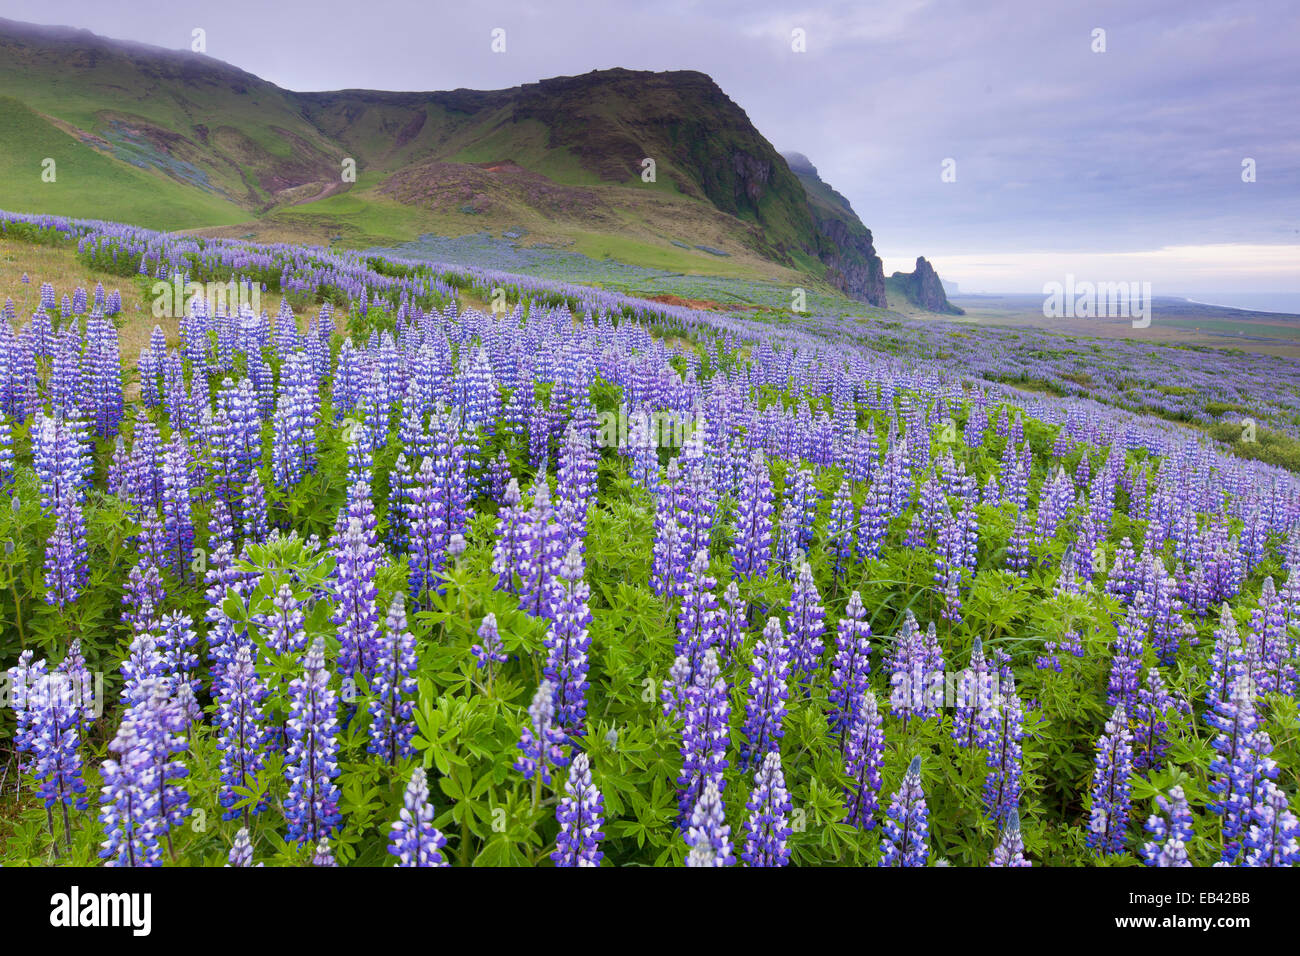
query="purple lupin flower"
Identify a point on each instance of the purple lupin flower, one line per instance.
(567, 645)
(283, 629)
(766, 705)
(708, 837)
(541, 739)
(669, 557)
(1269, 652)
(1228, 660)
(697, 506)
(1121, 580)
(322, 855)
(143, 597)
(141, 664)
(802, 513)
(580, 812)
(175, 643)
(975, 692)
(1171, 829)
(54, 710)
(61, 455)
(1018, 555)
(221, 527)
(161, 721)
(840, 527)
(241, 850)
(1000, 730)
(488, 652)
(1169, 629)
(1111, 795)
(540, 554)
(66, 568)
(916, 672)
(508, 552)
(6, 453)
(241, 732)
(178, 521)
(732, 623)
(806, 625)
(539, 432)
(1126, 660)
(499, 476)
(788, 553)
(752, 544)
(22, 677)
(905, 840)
(864, 753)
(428, 544)
(766, 832)
(873, 519)
(225, 633)
(1241, 764)
(391, 706)
(82, 685)
(413, 839)
(311, 807)
(576, 480)
(129, 802)
(643, 468)
(438, 510)
(293, 447)
(1151, 713)
(697, 630)
(356, 613)
(1010, 850)
(255, 523)
(1274, 835)
(851, 665)
(706, 709)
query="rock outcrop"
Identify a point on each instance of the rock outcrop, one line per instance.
(924, 289)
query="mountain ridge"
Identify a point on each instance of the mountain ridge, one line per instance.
(561, 157)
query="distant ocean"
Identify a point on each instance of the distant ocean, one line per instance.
(1288, 302)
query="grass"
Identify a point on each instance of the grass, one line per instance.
(86, 179)
(362, 215)
(525, 144)
(652, 255)
(1269, 446)
(59, 266)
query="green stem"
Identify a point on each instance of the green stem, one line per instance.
(18, 614)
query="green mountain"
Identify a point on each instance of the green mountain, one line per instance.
(178, 140)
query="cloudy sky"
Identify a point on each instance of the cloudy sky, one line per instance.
(1119, 164)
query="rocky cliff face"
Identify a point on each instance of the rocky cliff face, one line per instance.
(924, 288)
(843, 243)
(699, 138)
(852, 265)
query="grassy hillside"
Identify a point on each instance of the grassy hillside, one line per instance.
(88, 182)
(202, 123)
(179, 140)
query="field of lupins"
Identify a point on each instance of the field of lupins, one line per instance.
(588, 580)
